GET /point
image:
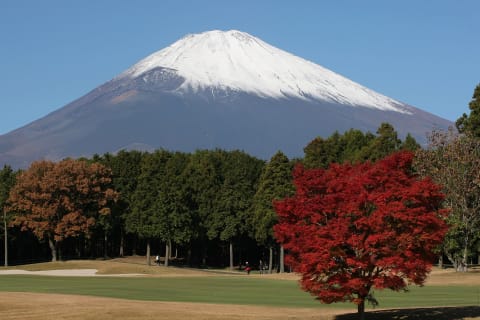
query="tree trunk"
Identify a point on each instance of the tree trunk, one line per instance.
(204, 255)
(148, 253)
(121, 243)
(168, 245)
(189, 255)
(105, 246)
(361, 310)
(282, 254)
(440, 261)
(464, 263)
(270, 260)
(231, 255)
(134, 249)
(451, 259)
(5, 233)
(53, 249)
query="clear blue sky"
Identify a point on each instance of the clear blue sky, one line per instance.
(425, 53)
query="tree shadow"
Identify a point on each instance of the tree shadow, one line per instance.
(440, 313)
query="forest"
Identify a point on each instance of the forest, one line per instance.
(214, 208)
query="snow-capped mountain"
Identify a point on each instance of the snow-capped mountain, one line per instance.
(216, 89)
(240, 62)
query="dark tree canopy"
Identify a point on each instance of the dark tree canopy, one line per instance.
(125, 166)
(276, 182)
(410, 144)
(352, 228)
(7, 180)
(355, 146)
(471, 123)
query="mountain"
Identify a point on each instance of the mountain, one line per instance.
(216, 89)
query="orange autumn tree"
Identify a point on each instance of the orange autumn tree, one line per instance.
(352, 228)
(60, 200)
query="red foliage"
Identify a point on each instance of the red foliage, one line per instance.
(351, 228)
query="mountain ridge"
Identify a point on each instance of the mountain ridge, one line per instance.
(157, 108)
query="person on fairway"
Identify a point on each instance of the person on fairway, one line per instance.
(247, 267)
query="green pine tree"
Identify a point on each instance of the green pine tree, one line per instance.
(410, 143)
(145, 220)
(275, 183)
(7, 180)
(471, 124)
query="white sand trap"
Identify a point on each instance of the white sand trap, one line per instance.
(56, 273)
(67, 273)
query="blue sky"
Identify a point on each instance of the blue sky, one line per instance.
(422, 52)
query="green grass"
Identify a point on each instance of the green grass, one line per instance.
(228, 290)
(430, 296)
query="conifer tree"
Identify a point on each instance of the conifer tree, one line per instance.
(144, 221)
(174, 218)
(240, 173)
(202, 177)
(471, 123)
(275, 183)
(7, 180)
(410, 144)
(386, 142)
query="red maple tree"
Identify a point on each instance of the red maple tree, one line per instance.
(352, 228)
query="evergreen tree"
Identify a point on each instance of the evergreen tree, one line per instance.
(174, 218)
(275, 183)
(202, 181)
(355, 142)
(240, 174)
(145, 220)
(7, 180)
(321, 152)
(471, 123)
(125, 166)
(385, 143)
(410, 144)
(355, 146)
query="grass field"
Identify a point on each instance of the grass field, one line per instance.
(241, 290)
(192, 294)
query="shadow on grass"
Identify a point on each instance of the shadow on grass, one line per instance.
(439, 313)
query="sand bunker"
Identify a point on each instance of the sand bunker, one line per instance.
(65, 273)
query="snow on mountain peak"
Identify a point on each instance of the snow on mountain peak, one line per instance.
(238, 61)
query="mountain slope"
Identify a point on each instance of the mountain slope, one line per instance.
(241, 62)
(213, 90)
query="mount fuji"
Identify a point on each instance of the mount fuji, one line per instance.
(217, 89)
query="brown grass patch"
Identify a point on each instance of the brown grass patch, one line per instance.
(34, 306)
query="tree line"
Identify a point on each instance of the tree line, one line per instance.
(211, 207)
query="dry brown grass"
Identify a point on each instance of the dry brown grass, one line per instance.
(52, 306)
